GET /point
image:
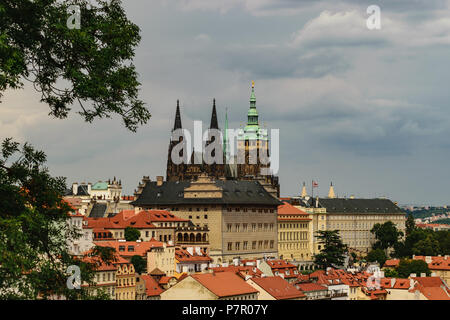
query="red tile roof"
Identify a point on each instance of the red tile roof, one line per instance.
(278, 288)
(137, 248)
(281, 266)
(292, 212)
(391, 263)
(437, 263)
(224, 284)
(152, 287)
(240, 270)
(184, 256)
(432, 288)
(311, 286)
(129, 218)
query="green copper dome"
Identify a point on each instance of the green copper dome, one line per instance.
(252, 131)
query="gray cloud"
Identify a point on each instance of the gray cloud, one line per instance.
(368, 110)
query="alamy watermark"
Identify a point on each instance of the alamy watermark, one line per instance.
(74, 280)
(374, 20)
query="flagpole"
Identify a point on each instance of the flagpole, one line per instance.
(312, 190)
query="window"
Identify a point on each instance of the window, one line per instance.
(254, 245)
(244, 227)
(245, 245)
(260, 244)
(229, 226)
(121, 248)
(237, 227)
(271, 244)
(146, 233)
(237, 245)
(253, 227)
(206, 216)
(260, 226)
(230, 246)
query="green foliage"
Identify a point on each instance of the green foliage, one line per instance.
(377, 255)
(333, 250)
(386, 234)
(427, 247)
(90, 66)
(139, 264)
(443, 221)
(391, 273)
(406, 267)
(410, 224)
(34, 229)
(424, 242)
(132, 234)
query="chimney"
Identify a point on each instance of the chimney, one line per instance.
(258, 262)
(75, 188)
(89, 188)
(428, 259)
(317, 202)
(423, 275)
(159, 180)
(433, 274)
(412, 275)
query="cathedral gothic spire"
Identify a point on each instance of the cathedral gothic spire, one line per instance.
(214, 124)
(177, 124)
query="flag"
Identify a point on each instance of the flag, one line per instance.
(315, 184)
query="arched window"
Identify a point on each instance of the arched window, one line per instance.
(204, 238)
(191, 237)
(186, 237)
(180, 237)
(198, 237)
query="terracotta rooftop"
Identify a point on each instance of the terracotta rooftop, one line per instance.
(278, 288)
(152, 287)
(131, 248)
(224, 284)
(292, 212)
(311, 286)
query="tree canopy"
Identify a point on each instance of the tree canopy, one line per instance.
(377, 255)
(387, 235)
(132, 234)
(139, 264)
(333, 250)
(406, 267)
(90, 67)
(34, 230)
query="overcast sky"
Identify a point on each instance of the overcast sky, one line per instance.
(365, 109)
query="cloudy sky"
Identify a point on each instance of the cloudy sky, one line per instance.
(365, 109)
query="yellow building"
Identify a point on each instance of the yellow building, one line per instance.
(293, 233)
(354, 218)
(125, 280)
(104, 278)
(241, 216)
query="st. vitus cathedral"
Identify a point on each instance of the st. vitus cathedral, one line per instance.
(251, 137)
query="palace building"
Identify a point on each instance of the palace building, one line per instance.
(241, 215)
(252, 145)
